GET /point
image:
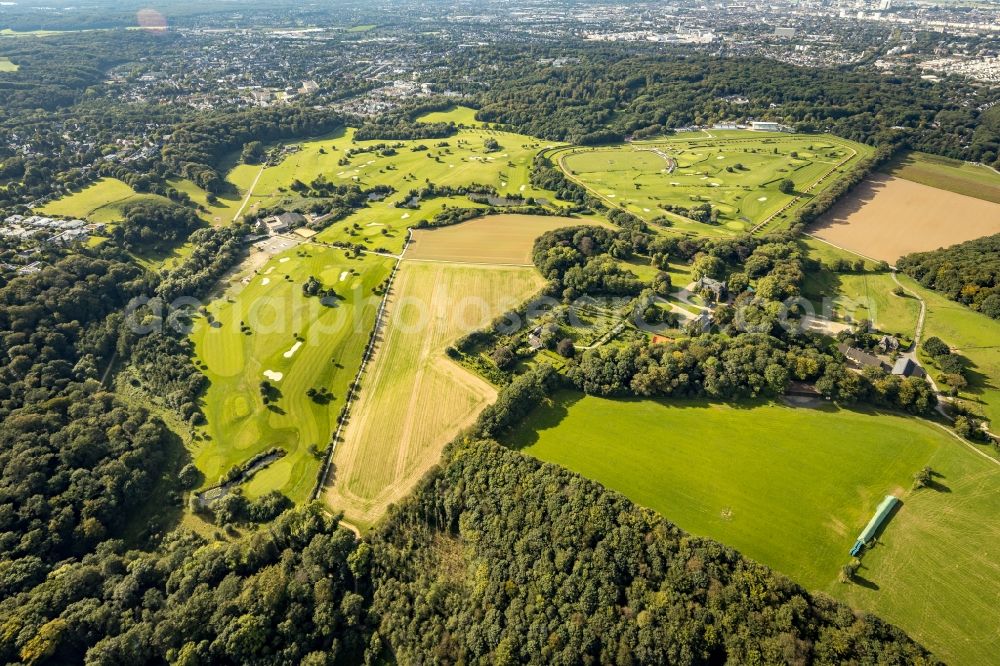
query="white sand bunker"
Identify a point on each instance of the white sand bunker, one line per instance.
(405, 216)
(704, 177)
(522, 188)
(611, 196)
(713, 184)
(284, 259)
(343, 275)
(645, 210)
(672, 183)
(273, 376)
(721, 157)
(266, 281)
(374, 224)
(503, 183)
(761, 198)
(269, 270)
(451, 166)
(291, 352)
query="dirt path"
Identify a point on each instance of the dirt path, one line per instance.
(249, 194)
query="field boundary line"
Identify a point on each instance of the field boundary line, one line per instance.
(798, 197)
(468, 263)
(352, 390)
(249, 194)
(848, 250)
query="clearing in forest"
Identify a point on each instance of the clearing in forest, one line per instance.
(886, 217)
(103, 200)
(413, 398)
(266, 328)
(770, 481)
(736, 176)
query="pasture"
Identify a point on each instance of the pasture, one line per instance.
(493, 239)
(460, 115)
(772, 482)
(886, 217)
(972, 180)
(297, 343)
(973, 335)
(862, 296)
(737, 175)
(7, 66)
(413, 398)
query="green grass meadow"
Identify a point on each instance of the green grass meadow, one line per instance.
(947, 174)
(279, 316)
(792, 488)
(7, 66)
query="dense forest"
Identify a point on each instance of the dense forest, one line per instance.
(453, 575)
(968, 272)
(608, 96)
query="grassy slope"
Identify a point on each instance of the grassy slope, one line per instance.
(7, 66)
(975, 336)
(947, 174)
(103, 200)
(863, 296)
(238, 423)
(771, 481)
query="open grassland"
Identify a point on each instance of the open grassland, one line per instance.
(7, 66)
(460, 115)
(857, 296)
(100, 201)
(296, 342)
(972, 180)
(737, 174)
(413, 398)
(936, 569)
(103, 200)
(772, 481)
(493, 239)
(767, 479)
(971, 334)
(219, 213)
(886, 217)
(462, 161)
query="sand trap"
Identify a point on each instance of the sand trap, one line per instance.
(291, 352)
(451, 166)
(761, 198)
(503, 183)
(266, 281)
(269, 270)
(672, 183)
(522, 188)
(611, 196)
(374, 224)
(273, 376)
(284, 259)
(704, 177)
(721, 157)
(343, 275)
(405, 216)
(645, 210)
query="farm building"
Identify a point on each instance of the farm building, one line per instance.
(861, 359)
(907, 367)
(883, 511)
